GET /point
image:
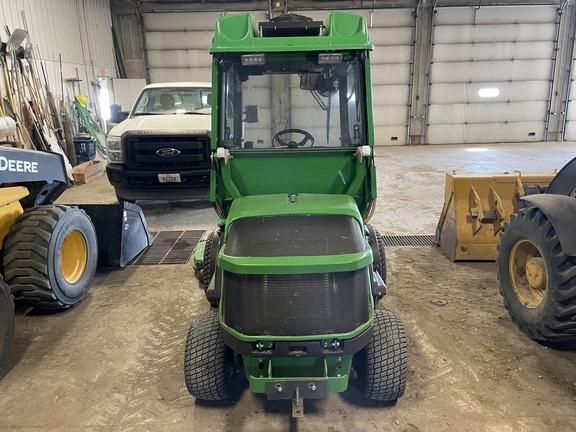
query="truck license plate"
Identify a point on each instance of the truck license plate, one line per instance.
(169, 178)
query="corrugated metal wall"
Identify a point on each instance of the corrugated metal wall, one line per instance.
(78, 30)
(510, 49)
(513, 49)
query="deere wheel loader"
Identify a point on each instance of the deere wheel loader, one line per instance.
(48, 252)
(293, 270)
(537, 261)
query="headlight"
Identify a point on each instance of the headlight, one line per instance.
(114, 150)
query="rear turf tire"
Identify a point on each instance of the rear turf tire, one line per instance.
(209, 263)
(50, 256)
(537, 279)
(378, 250)
(381, 367)
(6, 322)
(208, 362)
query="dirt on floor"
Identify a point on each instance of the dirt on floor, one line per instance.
(114, 362)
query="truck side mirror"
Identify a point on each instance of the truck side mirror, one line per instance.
(251, 114)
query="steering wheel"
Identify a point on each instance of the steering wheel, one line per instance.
(277, 141)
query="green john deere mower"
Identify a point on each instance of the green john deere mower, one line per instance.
(293, 271)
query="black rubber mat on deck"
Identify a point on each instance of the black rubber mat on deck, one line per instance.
(170, 247)
(419, 240)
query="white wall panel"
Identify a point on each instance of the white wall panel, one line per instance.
(495, 112)
(485, 133)
(493, 51)
(180, 40)
(494, 33)
(503, 71)
(508, 48)
(570, 125)
(443, 93)
(501, 15)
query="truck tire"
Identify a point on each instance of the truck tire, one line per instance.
(537, 279)
(6, 322)
(208, 362)
(381, 366)
(51, 254)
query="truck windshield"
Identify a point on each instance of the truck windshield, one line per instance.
(288, 103)
(173, 100)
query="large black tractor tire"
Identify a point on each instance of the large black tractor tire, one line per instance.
(6, 322)
(381, 367)
(537, 279)
(50, 256)
(208, 362)
(378, 250)
(209, 263)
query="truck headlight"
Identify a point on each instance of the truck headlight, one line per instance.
(114, 150)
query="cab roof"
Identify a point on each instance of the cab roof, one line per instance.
(341, 31)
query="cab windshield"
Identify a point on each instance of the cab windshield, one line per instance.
(308, 101)
(173, 100)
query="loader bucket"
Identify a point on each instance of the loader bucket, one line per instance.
(476, 208)
(121, 230)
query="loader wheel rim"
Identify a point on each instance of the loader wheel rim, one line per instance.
(528, 273)
(73, 256)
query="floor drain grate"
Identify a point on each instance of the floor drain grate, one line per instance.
(170, 247)
(419, 240)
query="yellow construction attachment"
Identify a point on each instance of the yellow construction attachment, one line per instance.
(476, 208)
(10, 208)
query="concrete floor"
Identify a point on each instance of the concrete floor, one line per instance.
(114, 362)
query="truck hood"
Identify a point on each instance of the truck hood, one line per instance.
(164, 124)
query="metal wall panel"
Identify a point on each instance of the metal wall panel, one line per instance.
(177, 45)
(177, 50)
(506, 48)
(570, 125)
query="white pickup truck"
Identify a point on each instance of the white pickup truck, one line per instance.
(162, 150)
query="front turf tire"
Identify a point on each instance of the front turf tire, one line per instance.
(50, 256)
(537, 279)
(208, 362)
(381, 367)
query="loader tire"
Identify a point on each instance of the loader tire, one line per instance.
(208, 362)
(51, 254)
(537, 279)
(381, 367)
(6, 322)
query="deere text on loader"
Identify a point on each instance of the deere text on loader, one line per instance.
(49, 252)
(293, 269)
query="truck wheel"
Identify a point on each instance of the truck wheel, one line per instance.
(6, 321)
(51, 254)
(209, 264)
(377, 244)
(208, 362)
(537, 278)
(382, 365)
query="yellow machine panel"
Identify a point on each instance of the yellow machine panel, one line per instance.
(475, 210)
(10, 208)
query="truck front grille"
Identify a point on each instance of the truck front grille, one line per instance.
(141, 152)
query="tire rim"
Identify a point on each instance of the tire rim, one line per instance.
(528, 273)
(73, 256)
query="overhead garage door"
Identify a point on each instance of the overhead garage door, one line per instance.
(177, 50)
(491, 74)
(570, 127)
(177, 45)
